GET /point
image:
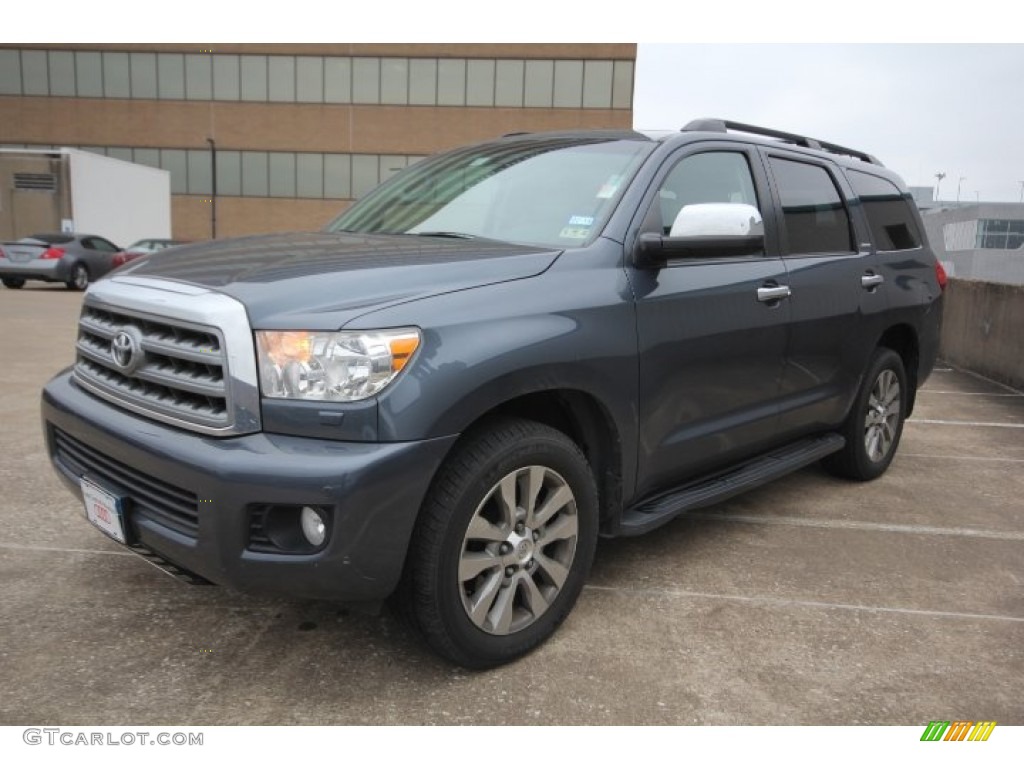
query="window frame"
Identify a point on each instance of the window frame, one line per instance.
(860, 239)
(647, 220)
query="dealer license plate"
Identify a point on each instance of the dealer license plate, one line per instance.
(103, 509)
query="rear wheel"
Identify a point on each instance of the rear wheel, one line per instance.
(13, 282)
(79, 278)
(503, 545)
(875, 423)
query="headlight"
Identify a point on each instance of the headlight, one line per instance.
(342, 366)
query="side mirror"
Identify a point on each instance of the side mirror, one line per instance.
(705, 230)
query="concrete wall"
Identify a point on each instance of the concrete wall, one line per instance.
(983, 329)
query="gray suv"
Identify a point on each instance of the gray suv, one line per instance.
(499, 355)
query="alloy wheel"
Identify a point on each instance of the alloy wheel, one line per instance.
(518, 550)
(883, 415)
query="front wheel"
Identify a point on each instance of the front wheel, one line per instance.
(875, 423)
(79, 278)
(503, 545)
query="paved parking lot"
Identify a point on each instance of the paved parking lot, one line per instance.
(811, 601)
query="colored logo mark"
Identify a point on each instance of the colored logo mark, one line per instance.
(958, 730)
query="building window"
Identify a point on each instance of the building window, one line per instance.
(143, 75)
(255, 174)
(480, 83)
(423, 81)
(62, 73)
(282, 78)
(309, 79)
(34, 73)
(200, 172)
(226, 78)
(572, 84)
(10, 73)
(89, 74)
(198, 77)
(394, 81)
(508, 84)
(254, 78)
(451, 82)
(366, 81)
(170, 73)
(568, 84)
(282, 174)
(1002, 234)
(338, 81)
(116, 75)
(540, 79)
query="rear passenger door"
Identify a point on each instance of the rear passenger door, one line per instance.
(710, 351)
(831, 272)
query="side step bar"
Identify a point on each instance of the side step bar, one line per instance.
(653, 513)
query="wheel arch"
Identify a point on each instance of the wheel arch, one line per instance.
(902, 339)
(586, 421)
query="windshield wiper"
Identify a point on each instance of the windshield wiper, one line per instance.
(457, 235)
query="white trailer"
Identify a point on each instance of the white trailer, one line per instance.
(69, 190)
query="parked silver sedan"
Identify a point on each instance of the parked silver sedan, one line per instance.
(70, 258)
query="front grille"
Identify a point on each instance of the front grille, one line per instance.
(149, 497)
(173, 370)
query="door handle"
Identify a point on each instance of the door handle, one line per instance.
(773, 293)
(871, 281)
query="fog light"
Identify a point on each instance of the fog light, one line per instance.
(314, 527)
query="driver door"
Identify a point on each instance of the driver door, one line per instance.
(711, 348)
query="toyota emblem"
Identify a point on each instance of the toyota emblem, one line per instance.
(125, 351)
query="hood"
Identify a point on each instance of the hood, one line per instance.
(324, 280)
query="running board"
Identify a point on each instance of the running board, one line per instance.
(653, 513)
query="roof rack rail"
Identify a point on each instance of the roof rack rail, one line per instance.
(716, 125)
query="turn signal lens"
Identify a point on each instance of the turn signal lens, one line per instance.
(940, 274)
(343, 366)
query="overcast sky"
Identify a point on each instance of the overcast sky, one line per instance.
(920, 109)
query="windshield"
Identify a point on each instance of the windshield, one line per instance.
(541, 191)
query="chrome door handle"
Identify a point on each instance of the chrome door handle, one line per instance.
(871, 281)
(774, 293)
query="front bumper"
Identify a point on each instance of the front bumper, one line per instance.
(374, 489)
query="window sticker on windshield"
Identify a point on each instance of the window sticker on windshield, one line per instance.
(575, 233)
(610, 186)
(581, 221)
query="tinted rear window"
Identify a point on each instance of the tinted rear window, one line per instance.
(890, 217)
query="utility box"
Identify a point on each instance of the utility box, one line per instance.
(68, 190)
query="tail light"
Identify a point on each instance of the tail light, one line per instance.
(53, 253)
(119, 258)
(940, 275)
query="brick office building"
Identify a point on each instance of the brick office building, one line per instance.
(299, 130)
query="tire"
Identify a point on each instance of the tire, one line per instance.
(79, 278)
(13, 282)
(875, 423)
(480, 588)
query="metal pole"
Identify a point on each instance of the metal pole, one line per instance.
(213, 197)
(938, 180)
(1022, 191)
(962, 180)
